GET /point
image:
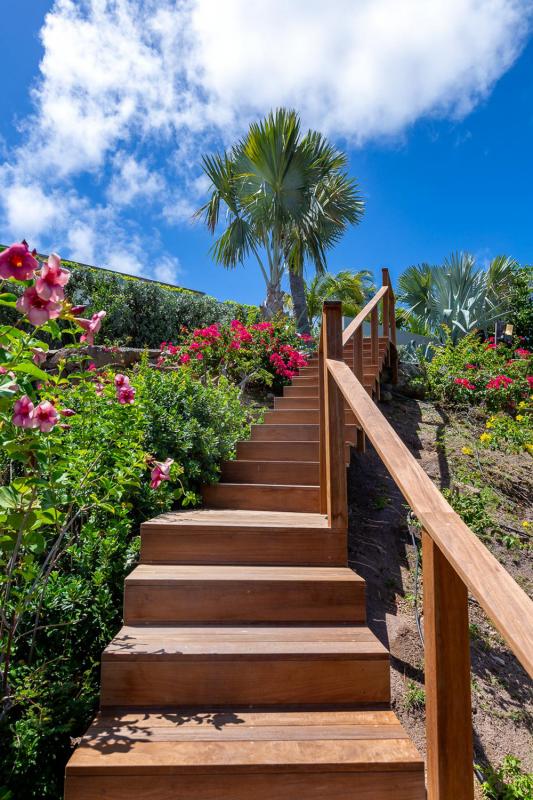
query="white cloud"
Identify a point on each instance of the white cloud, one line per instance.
(167, 269)
(132, 180)
(121, 80)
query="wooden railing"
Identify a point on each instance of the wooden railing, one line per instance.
(455, 561)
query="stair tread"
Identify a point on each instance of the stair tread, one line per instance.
(176, 740)
(169, 643)
(222, 517)
(168, 573)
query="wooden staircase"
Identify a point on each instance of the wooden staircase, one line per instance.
(245, 668)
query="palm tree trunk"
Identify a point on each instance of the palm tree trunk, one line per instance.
(299, 302)
(273, 303)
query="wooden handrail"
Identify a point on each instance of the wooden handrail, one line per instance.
(507, 605)
(454, 560)
(360, 318)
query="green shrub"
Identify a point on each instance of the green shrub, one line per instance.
(472, 508)
(139, 313)
(95, 475)
(508, 782)
(480, 373)
(521, 302)
(143, 314)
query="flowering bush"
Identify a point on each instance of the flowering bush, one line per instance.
(482, 373)
(83, 460)
(512, 433)
(260, 353)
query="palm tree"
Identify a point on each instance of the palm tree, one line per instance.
(457, 294)
(287, 199)
(354, 289)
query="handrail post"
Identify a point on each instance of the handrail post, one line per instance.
(447, 672)
(333, 492)
(391, 314)
(385, 309)
(374, 335)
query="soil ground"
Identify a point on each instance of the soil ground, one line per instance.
(381, 550)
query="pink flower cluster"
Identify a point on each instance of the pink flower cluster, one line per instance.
(500, 382)
(44, 416)
(43, 300)
(210, 333)
(521, 352)
(125, 392)
(529, 379)
(287, 361)
(465, 383)
(240, 332)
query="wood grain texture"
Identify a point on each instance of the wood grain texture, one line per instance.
(262, 496)
(282, 546)
(285, 472)
(229, 682)
(447, 670)
(236, 594)
(266, 786)
(332, 420)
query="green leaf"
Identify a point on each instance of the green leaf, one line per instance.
(28, 368)
(8, 299)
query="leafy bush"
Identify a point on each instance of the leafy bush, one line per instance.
(143, 314)
(521, 302)
(509, 433)
(472, 508)
(139, 313)
(96, 471)
(508, 782)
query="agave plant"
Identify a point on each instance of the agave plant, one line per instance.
(457, 295)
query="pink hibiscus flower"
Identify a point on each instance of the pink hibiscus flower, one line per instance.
(17, 262)
(23, 412)
(126, 395)
(160, 472)
(90, 326)
(37, 309)
(45, 416)
(52, 279)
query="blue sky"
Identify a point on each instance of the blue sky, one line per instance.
(103, 124)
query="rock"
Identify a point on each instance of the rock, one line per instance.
(100, 355)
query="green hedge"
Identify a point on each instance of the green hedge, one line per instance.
(142, 313)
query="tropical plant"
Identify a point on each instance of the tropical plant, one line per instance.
(354, 289)
(287, 199)
(521, 302)
(457, 294)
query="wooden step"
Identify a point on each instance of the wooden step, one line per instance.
(257, 666)
(276, 451)
(285, 472)
(171, 594)
(241, 754)
(297, 416)
(263, 497)
(289, 433)
(213, 536)
(300, 391)
(284, 403)
(305, 403)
